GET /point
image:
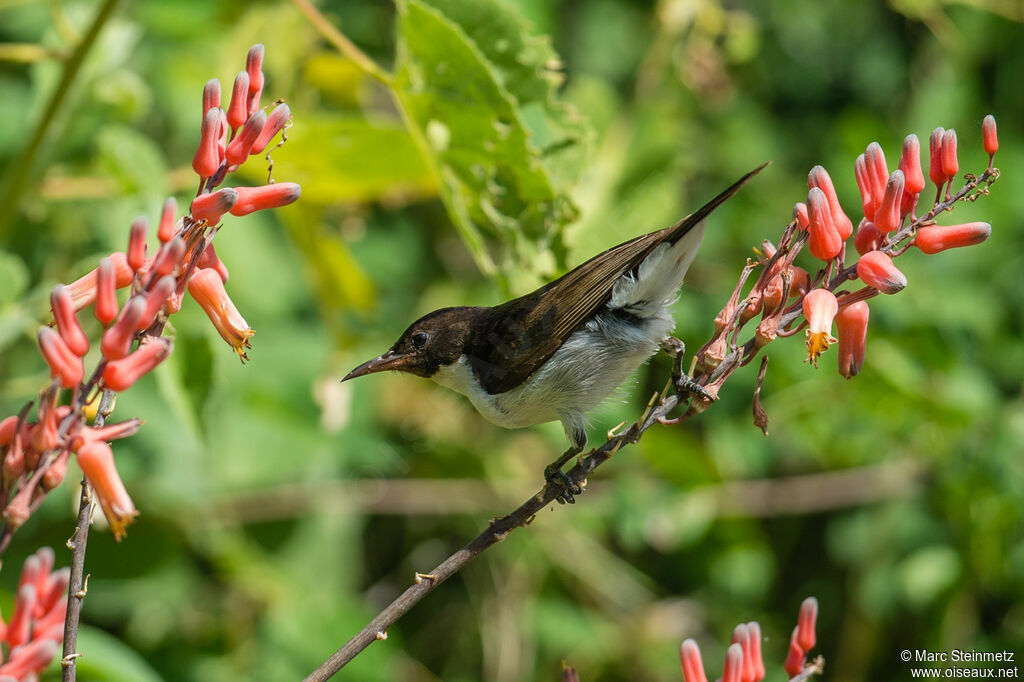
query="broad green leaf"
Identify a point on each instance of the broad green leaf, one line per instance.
(467, 115)
(344, 158)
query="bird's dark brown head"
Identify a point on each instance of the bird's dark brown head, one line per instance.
(431, 342)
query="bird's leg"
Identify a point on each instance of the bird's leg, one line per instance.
(685, 386)
(559, 481)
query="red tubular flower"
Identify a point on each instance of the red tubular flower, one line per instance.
(43, 436)
(106, 292)
(207, 156)
(119, 375)
(254, 66)
(877, 270)
(819, 177)
(878, 172)
(950, 163)
(910, 164)
(860, 171)
(795, 658)
(989, 137)
(222, 137)
(107, 432)
(211, 95)
(168, 258)
(936, 238)
(83, 289)
(137, 244)
(238, 109)
(852, 325)
(693, 666)
(56, 587)
(55, 473)
(825, 242)
(207, 289)
(32, 658)
(800, 282)
(8, 427)
(67, 322)
(741, 636)
(755, 650)
(277, 120)
(935, 172)
(209, 259)
(19, 628)
(118, 338)
(166, 229)
(805, 623)
(888, 216)
(820, 308)
(210, 207)
(803, 221)
(868, 237)
(64, 364)
(96, 460)
(733, 669)
(268, 196)
(155, 299)
(238, 149)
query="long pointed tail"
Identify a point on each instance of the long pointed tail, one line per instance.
(686, 224)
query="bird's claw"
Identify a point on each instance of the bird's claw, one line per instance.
(559, 482)
(689, 388)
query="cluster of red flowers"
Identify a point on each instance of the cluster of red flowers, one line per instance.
(35, 453)
(36, 627)
(743, 662)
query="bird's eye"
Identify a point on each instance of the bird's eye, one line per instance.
(418, 339)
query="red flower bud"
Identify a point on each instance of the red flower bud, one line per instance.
(820, 308)
(209, 259)
(868, 237)
(210, 207)
(119, 375)
(19, 628)
(137, 244)
(877, 270)
(83, 289)
(819, 177)
(54, 474)
(155, 299)
(168, 258)
(56, 587)
(31, 658)
(888, 216)
(96, 460)
(67, 322)
(935, 171)
(693, 666)
(936, 238)
(254, 66)
(211, 96)
(803, 221)
(910, 164)
(741, 636)
(8, 427)
(238, 109)
(989, 138)
(755, 650)
(805, 624)
(950, 163)
(43, 436)
(106, 292)
(825, 242)
(878, 172)
(166, 229)
(277, 120)
(852, 325)
(860, 171)
(207, 156)
(238, 149)
(268, 196)
(795, 658)
(733, 669)
(118, 338)
(64, 364)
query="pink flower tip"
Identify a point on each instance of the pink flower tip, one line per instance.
(935, 238)
(877, 270)
(276, 195)
(693, 666)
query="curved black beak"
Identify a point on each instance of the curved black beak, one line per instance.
(383, 363)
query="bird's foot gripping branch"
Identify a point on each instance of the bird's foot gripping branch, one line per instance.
(37, 443)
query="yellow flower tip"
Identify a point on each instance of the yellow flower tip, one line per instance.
(817, 343)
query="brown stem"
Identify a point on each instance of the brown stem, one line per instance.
(77, 543)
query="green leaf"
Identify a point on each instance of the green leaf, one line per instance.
(13, 278)
(349, 159)
(107, 659)
(500, 148)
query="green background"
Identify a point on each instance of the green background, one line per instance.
(281, 510)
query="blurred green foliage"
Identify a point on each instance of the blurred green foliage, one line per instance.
(281, 509)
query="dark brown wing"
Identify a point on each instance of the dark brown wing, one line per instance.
(521, 334)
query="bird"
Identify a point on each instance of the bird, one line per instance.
(556, 353)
